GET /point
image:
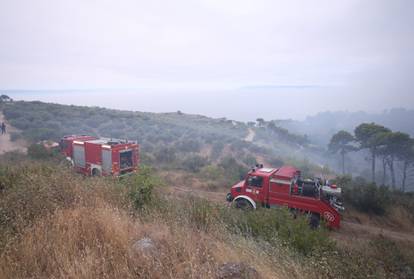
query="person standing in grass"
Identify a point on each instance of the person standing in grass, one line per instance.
(3, 128)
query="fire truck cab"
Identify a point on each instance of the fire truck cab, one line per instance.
(100, 156)
(275, 187)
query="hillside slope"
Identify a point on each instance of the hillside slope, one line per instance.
(165, 138)
(6, 144)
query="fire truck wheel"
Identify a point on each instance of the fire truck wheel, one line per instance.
(243, 204)
(70, 161)
(96, 172)
(314, 220)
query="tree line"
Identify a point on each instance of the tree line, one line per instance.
(381, 143)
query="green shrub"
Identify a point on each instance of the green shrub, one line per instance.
(38, 151)
(233, 169)
(364, 196)
(141, 186)
(372, 199)
(275, 225)
(194, 163)
(212, 172)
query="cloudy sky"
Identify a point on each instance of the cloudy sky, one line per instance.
(203, 55)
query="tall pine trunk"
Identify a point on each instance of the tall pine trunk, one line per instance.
(392, 172)
(384, 170)
(373, 165)
(404, 178)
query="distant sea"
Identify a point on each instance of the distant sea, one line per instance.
(244, 104)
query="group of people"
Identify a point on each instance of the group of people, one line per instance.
(3, 128)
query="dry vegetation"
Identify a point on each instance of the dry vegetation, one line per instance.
(56, 224)
(98, 243)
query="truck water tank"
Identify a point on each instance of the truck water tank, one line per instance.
(309, 190)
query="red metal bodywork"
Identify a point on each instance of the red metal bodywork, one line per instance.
(66, 143)
(90, 161)
(278, 188)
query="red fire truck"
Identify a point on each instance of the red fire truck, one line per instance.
(272, 187)
(100, 156)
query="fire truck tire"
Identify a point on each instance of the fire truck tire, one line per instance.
(314, 220)
(96, 172)
(243, 204)
(70, 161)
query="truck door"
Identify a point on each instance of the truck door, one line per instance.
(255, 189)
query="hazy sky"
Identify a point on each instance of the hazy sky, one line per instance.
(214, 56)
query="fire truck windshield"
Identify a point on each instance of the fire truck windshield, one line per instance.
(255, 181)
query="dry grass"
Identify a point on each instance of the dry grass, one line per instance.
(97, 243)
(401, 219)
(54, 224)
(59, 225)
(398, 218)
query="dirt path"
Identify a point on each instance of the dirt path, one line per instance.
(6, 144)
(250, 135)
(350, 230)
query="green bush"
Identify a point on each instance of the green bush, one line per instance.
(275, 225)
(217, 177)
(38, 151)
(141, 186)
(194, 163)
(212, 172)
(364, 196)
(233, 169)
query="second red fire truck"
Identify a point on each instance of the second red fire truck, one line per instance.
(276, 187)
